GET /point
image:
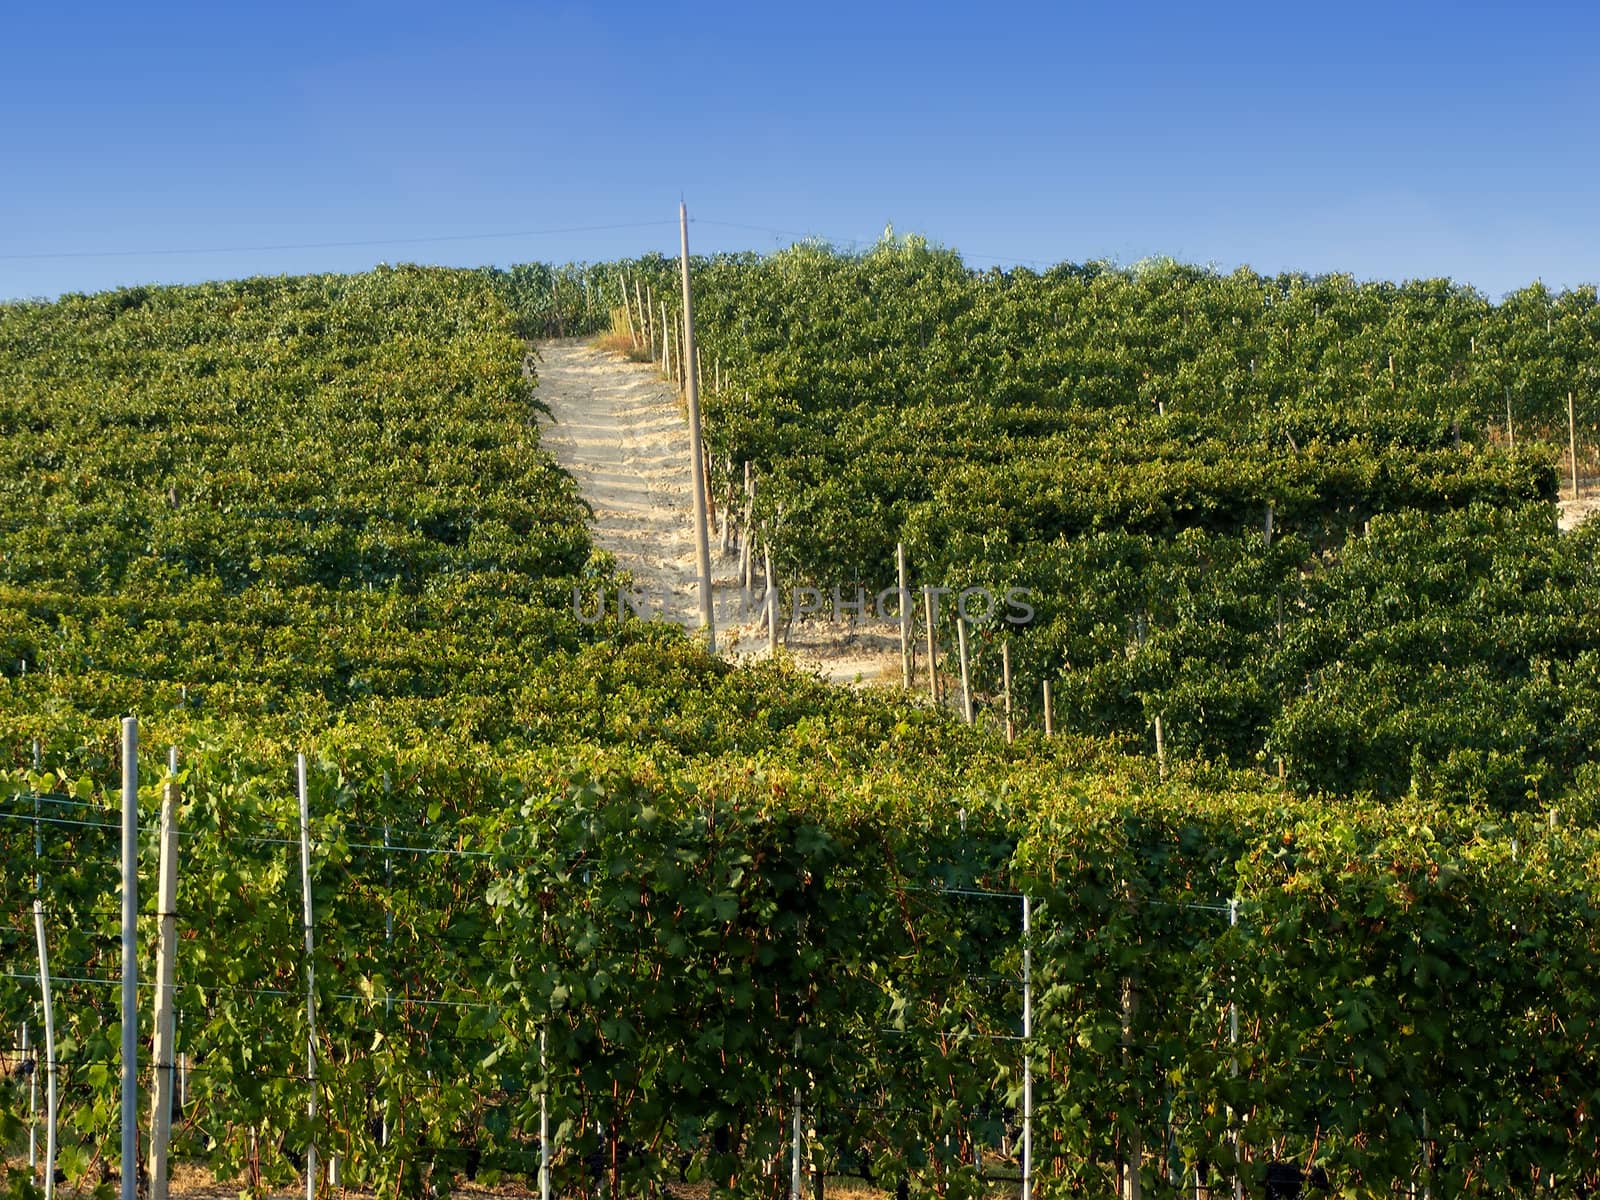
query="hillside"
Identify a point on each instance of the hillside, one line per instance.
(1285, 515)
(591, 878)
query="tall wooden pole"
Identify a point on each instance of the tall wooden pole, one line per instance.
(1049, 712)
(933, 646)
(697, 471)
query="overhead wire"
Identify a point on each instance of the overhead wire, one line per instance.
(362, 242)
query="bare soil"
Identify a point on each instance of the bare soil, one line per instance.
(1575, 511)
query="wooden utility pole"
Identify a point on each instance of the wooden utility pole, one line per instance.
(697, 470)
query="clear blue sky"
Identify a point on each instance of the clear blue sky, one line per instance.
(1388, 140)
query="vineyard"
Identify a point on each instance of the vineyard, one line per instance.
(589, 900)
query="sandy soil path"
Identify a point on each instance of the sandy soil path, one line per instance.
(622, 433)
(1575, 512)
(618, 431)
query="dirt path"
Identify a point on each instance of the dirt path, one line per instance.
(618, 431)
(1576, 512)
(621, 432)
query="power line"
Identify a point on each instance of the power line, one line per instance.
(454, 237)
(798, 234)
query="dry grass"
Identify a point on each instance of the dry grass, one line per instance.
(621, 343)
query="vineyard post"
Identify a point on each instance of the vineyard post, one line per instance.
(49, 1013)
(713, 517)
(794, 1149)
(1049, 712)
(1027, 1047)
(1511, 434)
(905, 615)
(725, 516)
(933, 646)
(633, 336)
(130, 957)
(772, 595)
(49, 1052)
(389, 938)
(166, 971)
(1161, 750)
(1005, 679)
(666, 344)
(702, 546)
(699, 371)
(38, 888)
(746, 535)
(33, 1106)
(1572, 445)
(1267, 535)
(649, 307)
(1233, 1040)
(544, 1119)
(966, 674)
(311, 977)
